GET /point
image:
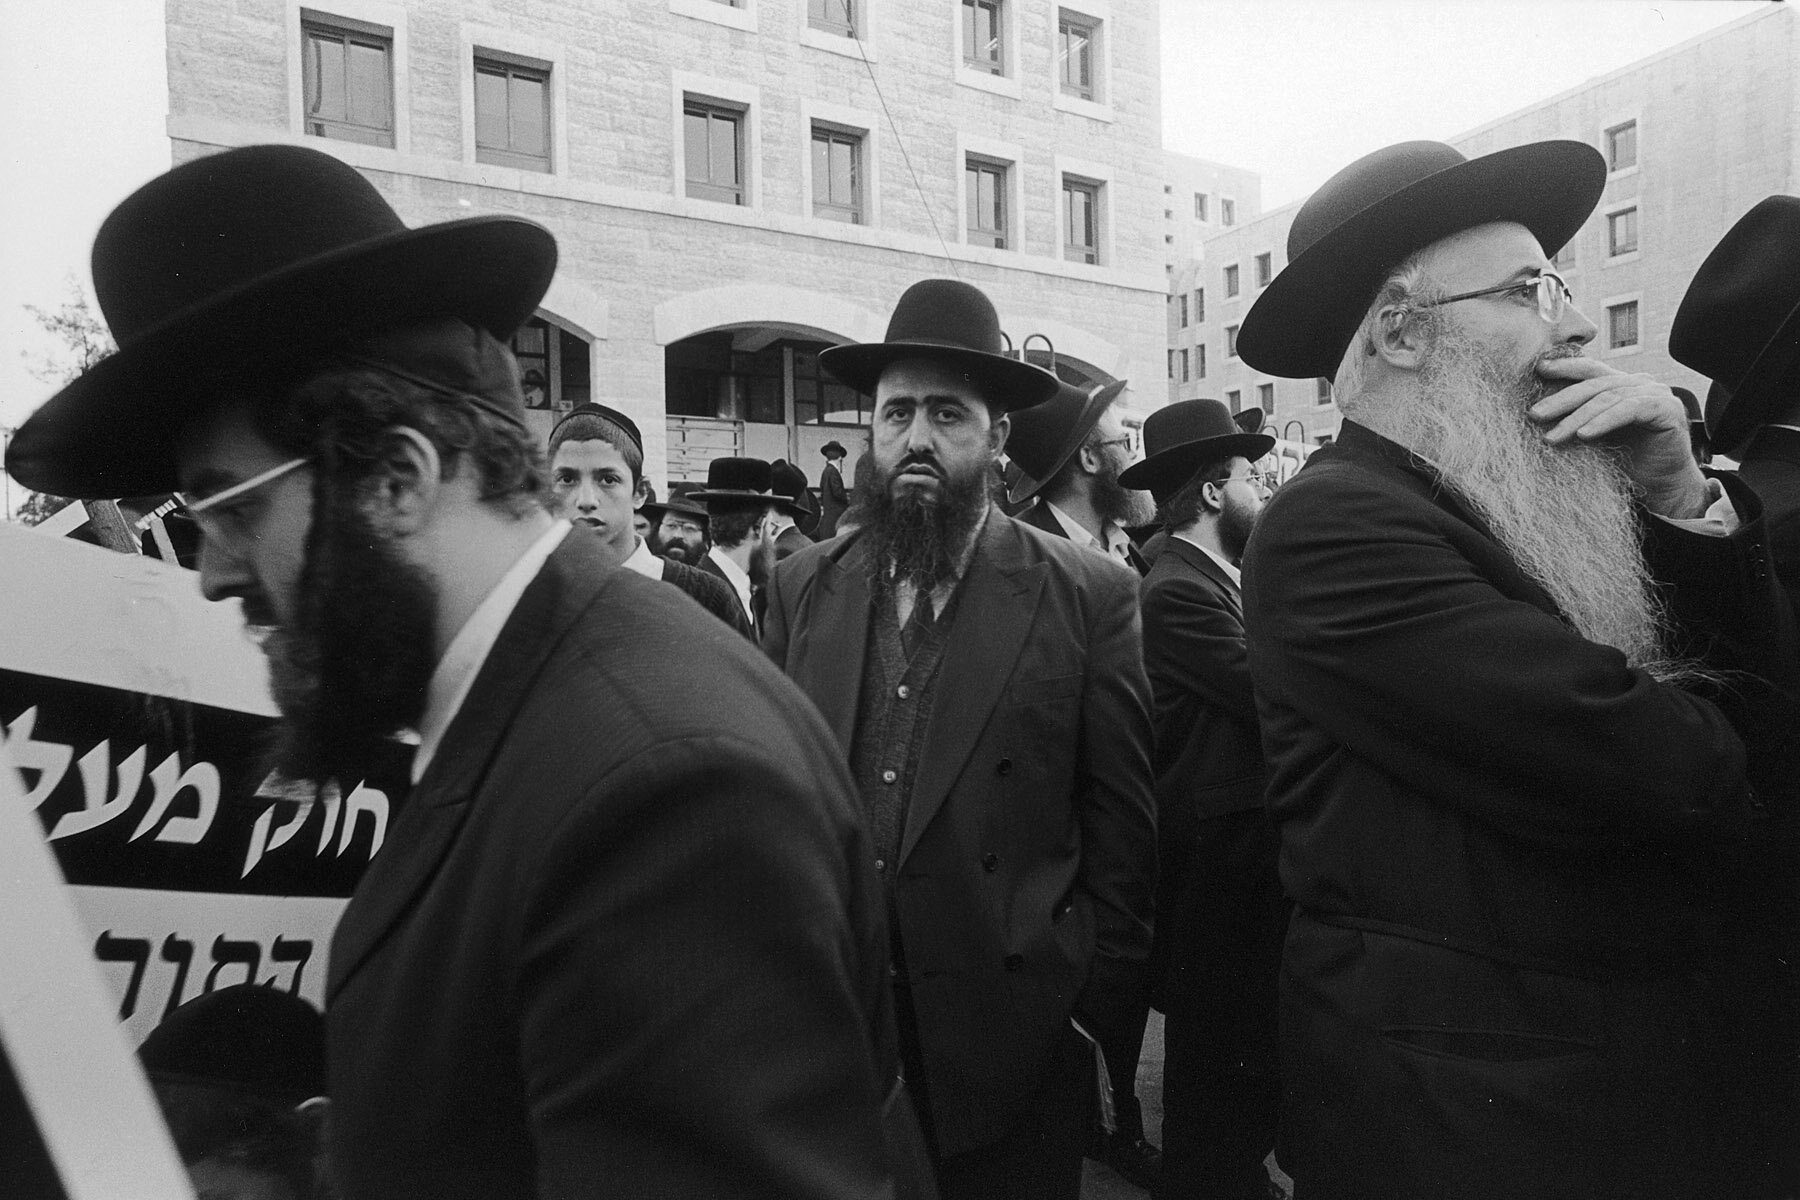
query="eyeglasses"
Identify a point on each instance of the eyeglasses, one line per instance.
(222, 516)
(1263, 479)
(1552, 294)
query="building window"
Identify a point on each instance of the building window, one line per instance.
(1265, 397)
(837, 175)
(1077, 38)
(1622, 232)
(1081, 220)
(512, 113)
(713, 139)
(984, 46)
(1621, 146)
(1231, 281)
(1171, 364)
(1265, 269)
(1200, 207)
(1182, 305)
(1622, 325)
(1234, 400)
(553, 366)
(1199, 305)
(1321, 391)
(832, 16)
(349, 79)
(1227, 211)
(986, 184)
(1200, 361)
(1565, 257)
(1184, 366)
(1231, 341)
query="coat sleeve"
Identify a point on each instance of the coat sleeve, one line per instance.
(692, 999)
(1194, 643)
(1114, 802)
(1368, 620)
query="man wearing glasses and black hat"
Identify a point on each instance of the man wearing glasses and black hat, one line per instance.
(550, 981)
(1510, 646)
(986, 683)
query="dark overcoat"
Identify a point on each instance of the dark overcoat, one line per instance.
(834, 498)
(1027, 859)
(622, 939)
(1521, 867)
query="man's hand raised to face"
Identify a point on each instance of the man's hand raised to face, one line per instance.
(1635, 413)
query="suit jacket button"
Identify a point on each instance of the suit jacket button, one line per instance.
(1013, 962)
(1003, 767)
(991, 861)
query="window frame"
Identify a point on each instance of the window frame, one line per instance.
(371, 18)
(991, 153)
(1264, 269)
(1633, 300)
(1233, 281)
(1199, 306)
(726, 95)
(1202, 207)
(1613, 212)
(1608, 134)
(1231, 336)
(1005, 81)
(481, 53)
(711, 110)
(1265, 397)
(1199, 360)
(1092, 252)
(1227, 211)
(1182, 309)
(733, 14)
(1096, 16)
(1005, 217)
(1184, 364)
(857, 139)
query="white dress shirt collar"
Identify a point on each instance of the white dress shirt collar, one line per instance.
(456, 671)
(734, 575)
(1117, 544)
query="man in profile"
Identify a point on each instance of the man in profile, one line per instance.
(1071, 451)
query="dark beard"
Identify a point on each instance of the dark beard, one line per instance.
(1120, 505)
(1235, 523)
(353, 669)
(915, 538)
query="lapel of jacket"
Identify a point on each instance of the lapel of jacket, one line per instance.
(1202, 564)
(1776, 442)
(836, 621)
(1039, 516)
(428, 823)
(993, 618)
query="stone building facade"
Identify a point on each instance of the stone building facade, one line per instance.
(733, 186)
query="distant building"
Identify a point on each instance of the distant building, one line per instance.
(734, 185)
(1693, 137)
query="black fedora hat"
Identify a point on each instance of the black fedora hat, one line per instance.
(785, 479)
(1365, 220)
(241, 257)
(1739, 323)
(830, 446)
(678, 504)
(1182, 437)
(740, 483)
(1047, 435)
(947, 321)
(1250, 420)
(248, 1037)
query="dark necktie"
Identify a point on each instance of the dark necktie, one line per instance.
(917, 625)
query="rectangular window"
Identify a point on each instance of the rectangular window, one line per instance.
(986, 185)
(832, 16)
(1621, 146)
(1622, 232)
(1081, 220)
(1322, 391)
(1184, 366)
(1227, 211)
(512, 113)
(1199, 305)
(1622, 325)
(1265, 269)
(1234, 400)
(712, 138)
(1200, 361)
(1231, 341)
(1182, 309)
(1200, 207)
(1265, 397)
(347, 70)
(1231, 281)
(983, 36)
(837, 175)
(1076, 39)
(1171, 364)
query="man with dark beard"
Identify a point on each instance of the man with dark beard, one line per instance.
(986, 683)
(549, 981)
(1517, 663)
(1220, 912)
(1071, 450)
(681, 530)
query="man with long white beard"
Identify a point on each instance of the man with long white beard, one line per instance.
(986, 683)
(1519, 665)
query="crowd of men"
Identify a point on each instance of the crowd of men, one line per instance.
(1443, 799)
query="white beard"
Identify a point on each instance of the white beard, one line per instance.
(1564, 514)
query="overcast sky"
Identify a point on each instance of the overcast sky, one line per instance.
(1294, 89)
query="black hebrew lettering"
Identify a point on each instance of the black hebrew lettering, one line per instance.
(179, 951)
(135, 951)
(290, 950)
(227, 952)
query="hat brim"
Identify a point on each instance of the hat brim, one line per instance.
(1028, 484)
(657, 509)
(1006, 383)
(727, 496)
(1167, 471)
(1303, 321)
(1733, 414)
(112, 431)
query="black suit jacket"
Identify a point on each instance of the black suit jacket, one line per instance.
(1039, 516)
(622, 939)
(1028, 856)
(711, 592)
(834, 498)
(1518, 860)
(1771, 465)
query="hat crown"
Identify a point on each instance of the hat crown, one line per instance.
(1367, 181)
(223, 221)
(785, 479)
(1040, 432)
(947, 312)
(739, 475)
(1186, 421)
(1742, 295)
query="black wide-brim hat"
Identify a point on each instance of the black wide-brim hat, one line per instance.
(248, 1037)
(1182, 437)
(656, 509)
(742, 483)
(1368, 218)
(950, 322)
(1250, 420)
(247, 257)
(1047, 435)
(1739, 323)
